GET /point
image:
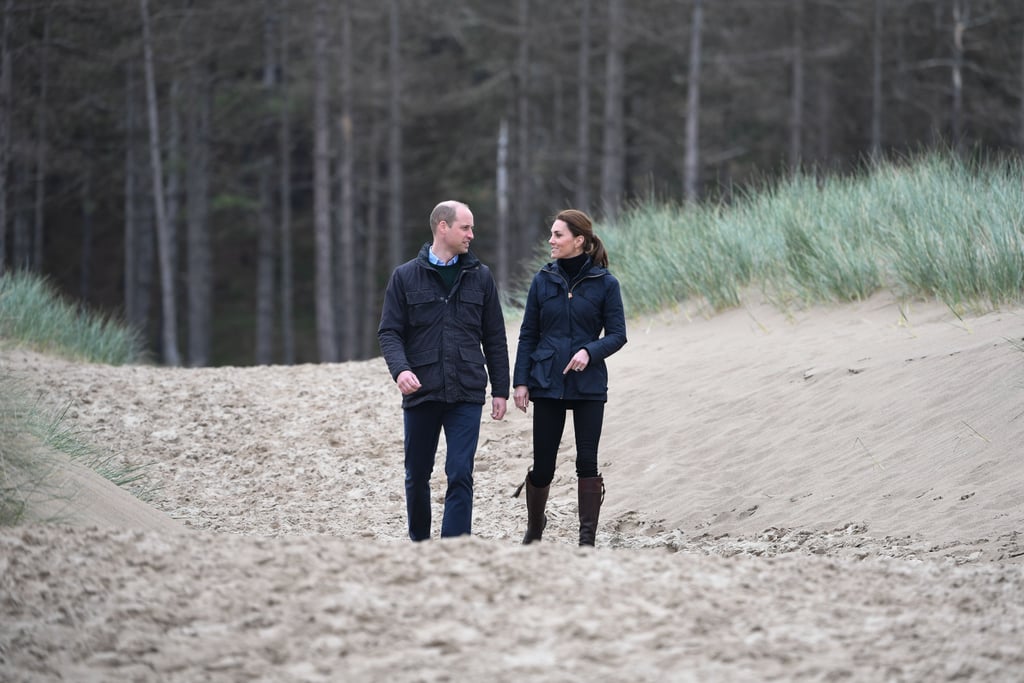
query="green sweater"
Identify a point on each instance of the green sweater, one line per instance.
(448, 274)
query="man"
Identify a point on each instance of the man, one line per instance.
(440, 310)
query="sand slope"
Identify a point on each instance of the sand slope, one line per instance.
(832, 494)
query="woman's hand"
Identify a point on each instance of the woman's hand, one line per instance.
(521, 397)
(579, 362)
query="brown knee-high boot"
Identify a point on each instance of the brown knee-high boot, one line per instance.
(591, 495)
(536, 501)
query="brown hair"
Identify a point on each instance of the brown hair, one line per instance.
(445, 211)
(581, 225)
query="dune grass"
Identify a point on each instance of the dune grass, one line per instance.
(33, 316)
(30, 435)
(933, 227)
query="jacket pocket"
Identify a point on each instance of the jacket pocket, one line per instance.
(427, 368)
(540, 367)
(473, 372)
(424, 307)
(593, 381)
(549, 290)
(471, 313)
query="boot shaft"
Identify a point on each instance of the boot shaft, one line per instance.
(536, 501)
(591, 495)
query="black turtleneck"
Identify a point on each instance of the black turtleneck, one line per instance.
(572, 266)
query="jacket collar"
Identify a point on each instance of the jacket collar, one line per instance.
(589, 269)
(467, 260)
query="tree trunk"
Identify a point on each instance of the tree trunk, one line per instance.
(524, 179)
(371, 238)
(346, 258)
(796, 107)
(5, 124)
(326, 343)
(138, 214)
(265, 243)
(172, 189)
(265, 253)
(285, 200)
(501, 192)
(1020, 123)
(41, 143)
(583, 121)
(146, 276)
(21, 249)
(88, 224)
(899, 77)
(557, 141)
(197, 188)
(396, 241)
(613, 153)
(131, 232)
(691, 162)
(961, 9)
(371, 235)
(200, 257)
(876, 79)
(824, 110)
(169, 324)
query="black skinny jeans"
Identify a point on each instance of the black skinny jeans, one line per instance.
(548, 425)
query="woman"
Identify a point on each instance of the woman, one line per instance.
(560, 364)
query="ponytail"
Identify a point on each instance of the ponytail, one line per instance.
(597, 252)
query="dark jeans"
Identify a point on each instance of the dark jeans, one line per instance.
(548, 425)
(423, 424)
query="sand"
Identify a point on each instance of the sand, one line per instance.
(827, 494)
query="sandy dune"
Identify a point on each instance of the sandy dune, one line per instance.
(833, 494)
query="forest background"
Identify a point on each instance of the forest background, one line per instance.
(236, 179)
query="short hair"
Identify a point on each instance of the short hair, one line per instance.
(445, 211)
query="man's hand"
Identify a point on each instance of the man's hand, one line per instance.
(408, 382)
(498, 408)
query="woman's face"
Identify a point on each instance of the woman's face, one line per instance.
(563, 243)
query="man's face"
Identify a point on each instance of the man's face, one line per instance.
(459, 234)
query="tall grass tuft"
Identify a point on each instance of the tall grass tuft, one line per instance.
(30, 436)
(33, 315)
(933, 226)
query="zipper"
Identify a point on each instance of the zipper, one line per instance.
(585, 277)
(455, 285)
(569, 289)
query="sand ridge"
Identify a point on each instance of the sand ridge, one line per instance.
(827, 493)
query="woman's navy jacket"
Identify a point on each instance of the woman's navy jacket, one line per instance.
(561, 318)
(453, 339)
